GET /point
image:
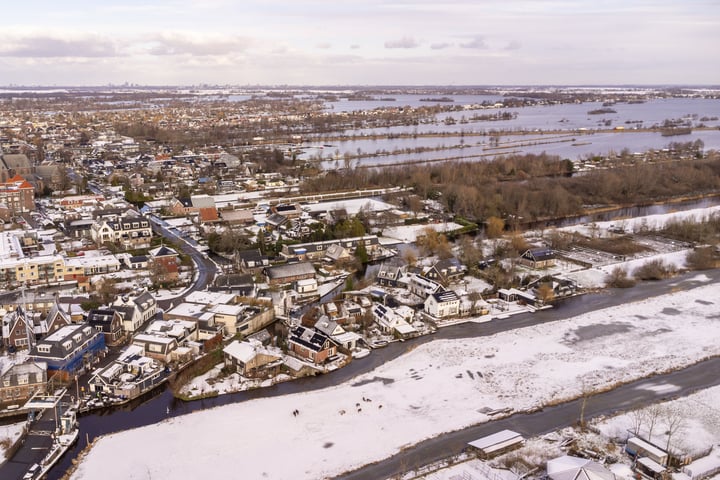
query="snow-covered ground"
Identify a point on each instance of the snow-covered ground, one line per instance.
(215, 383)
(641, 224)
(409, 233)
(436, 387)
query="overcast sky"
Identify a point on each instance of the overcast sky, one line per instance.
(360, 42)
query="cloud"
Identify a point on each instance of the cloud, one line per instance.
(440, 46)
(182, 44)
(50, 46)
(323, 45)
(404, 42)
(354, 46)
(513, 45)
(477, 42)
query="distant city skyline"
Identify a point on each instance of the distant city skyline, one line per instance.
(341, 42)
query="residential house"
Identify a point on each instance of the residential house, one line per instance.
(390, 272)
(238, 283)
(192, 205)
(336, 332)
(274, 221)
(217, 308)
(515, 295)
(446, 271)
(157, 347)
(538, 258)
(311, 345)
(129, 232)
(423, 287)
(250, 358)
(237, 217)
(327, 326)
(252, 260)
(137, 262)
(135, 310)
(208, 215)
(20, 381)
(164, 264)
(78, 228)
(391, 322)
(288, 210)
(70, 350)
(181, 330)
(318, 250)
(129, 376)
(288, 273)
(109, 322)
(443, 304)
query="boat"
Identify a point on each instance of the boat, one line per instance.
(65, 437)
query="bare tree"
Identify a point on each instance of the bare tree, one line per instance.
(637, 417)
(674, 422)
(652, 413)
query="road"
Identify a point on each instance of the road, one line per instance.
(626, 397)
(205, 268)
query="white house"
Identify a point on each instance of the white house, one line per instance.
(443, 304)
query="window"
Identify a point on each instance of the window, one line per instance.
(43, 348)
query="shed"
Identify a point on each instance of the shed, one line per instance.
(497, 443)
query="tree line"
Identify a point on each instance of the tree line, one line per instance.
(525, 188)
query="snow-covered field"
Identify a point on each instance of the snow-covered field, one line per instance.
(648, 222)
(409, 233)
(437, 387)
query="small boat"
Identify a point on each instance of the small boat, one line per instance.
(67, 434)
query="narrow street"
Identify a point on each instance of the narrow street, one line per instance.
(206, 269)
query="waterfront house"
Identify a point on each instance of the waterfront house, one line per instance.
(129, 376)
(311, 345)
(70, 350)
(443, 304)
(250, 358)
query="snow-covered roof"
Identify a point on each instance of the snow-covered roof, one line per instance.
(575, 468)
